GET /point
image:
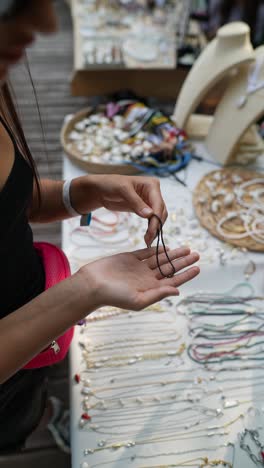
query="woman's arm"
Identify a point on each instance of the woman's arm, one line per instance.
(52, 207)
(84, 197)
(130, 281)
(27, 331)
(140, 195)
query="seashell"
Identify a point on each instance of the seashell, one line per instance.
(105, 144)
(104, 120)
(75, 136)
(86, 391)
(80, 147)
(215, 206)
(80, 126)
(115, 152)
(125, 149)
(218, 176)
(202, 200)
(99, 139)
(132, 361)
(88, 148)
(250, 269)
(123, 136)
(136, 151)
(229, 199)
(89, 130)
(118, 120)
(147, 145)
(231, 404)
(210, 185)
(236, 179)
(117, 132)
(220, 193)
(95, 119)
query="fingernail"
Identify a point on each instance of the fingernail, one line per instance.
(146, 211)
(148, 243)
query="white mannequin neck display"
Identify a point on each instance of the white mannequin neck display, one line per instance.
(241, 106)
(231, 48)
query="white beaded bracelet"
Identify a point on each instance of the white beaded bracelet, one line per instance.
(67, 198)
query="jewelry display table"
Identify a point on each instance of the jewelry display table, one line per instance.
(146, 400)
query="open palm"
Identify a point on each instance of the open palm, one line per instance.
(133, 281)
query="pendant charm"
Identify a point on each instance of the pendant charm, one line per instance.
(55, 346)
(77, 378)
(230, 404)
(84, 465)
(249, 270)
(86, 417)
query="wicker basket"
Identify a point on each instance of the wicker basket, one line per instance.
(76, 156)
(210, 220)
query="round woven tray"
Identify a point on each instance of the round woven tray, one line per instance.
(77, 157)
(204, 196)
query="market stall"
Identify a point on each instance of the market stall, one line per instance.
(179, 384)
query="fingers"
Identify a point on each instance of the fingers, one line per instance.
(179, 264)
(151, 233)
(135, 203)
(144, 254)
(181, 278)
(158, 207)
(174, 254)
(151, 296)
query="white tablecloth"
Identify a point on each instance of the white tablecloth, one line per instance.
(214, 276)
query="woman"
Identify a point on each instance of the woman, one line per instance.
(31, 318)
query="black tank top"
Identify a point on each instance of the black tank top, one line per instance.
(21, 272)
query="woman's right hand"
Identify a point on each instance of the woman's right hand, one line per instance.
(133, 281)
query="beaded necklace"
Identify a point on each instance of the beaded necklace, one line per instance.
(227, 341)
(212, 431)
(166, 454)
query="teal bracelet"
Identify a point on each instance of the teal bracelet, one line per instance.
(86, 219)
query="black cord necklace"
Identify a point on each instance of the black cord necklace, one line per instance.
(160, 238)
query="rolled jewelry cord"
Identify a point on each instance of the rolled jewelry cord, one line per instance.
(160, 238)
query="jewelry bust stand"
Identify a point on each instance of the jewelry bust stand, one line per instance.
(231, 48)
(241, 106)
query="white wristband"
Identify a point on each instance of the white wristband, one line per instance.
(67, 199)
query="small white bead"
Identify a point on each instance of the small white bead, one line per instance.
(215, 206)
(85, 465)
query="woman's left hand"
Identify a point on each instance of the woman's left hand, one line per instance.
(140, 195)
